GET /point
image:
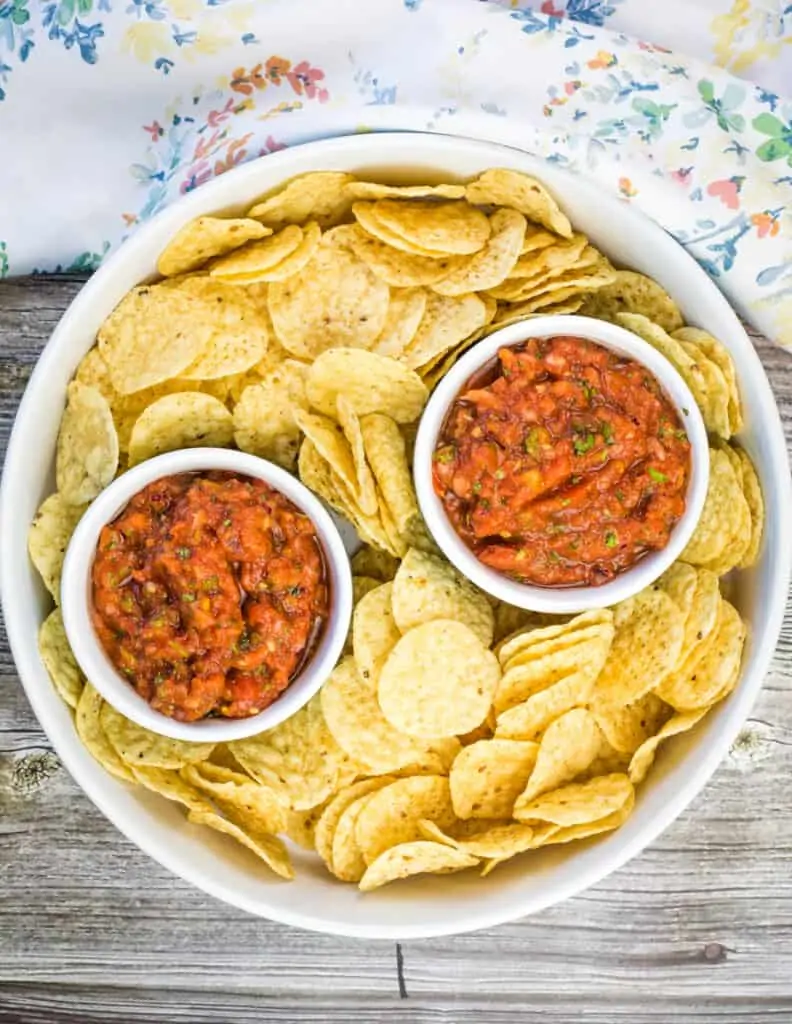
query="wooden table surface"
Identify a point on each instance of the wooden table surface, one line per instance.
(696, 929)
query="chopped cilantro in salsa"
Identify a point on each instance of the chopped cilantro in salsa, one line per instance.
(209, 593)
(563, 463)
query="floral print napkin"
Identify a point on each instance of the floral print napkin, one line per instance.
(110, 109)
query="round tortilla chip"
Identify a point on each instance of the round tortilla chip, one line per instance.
(331, 815)
(720, 355)
(722, 515)
(331, 443)
(240, 798)
(394, 266)
(370, 382)
(387, 455)
(373, 190)
(492, 264)
(413, 859)
(264, 422)
(580, 803)
(487, 777)
(446, 322)
(438, 680)
(699, 382)
(153, 335)
(374, 633)
(254, 259)
(335, 300)
(189, 419)
(267, 848)
(59, 661)
(644, 756)
(628, 727)
(366, 217)
(560, 634)
(427, 587)
(299, 759)
(347, 859)
(88, 722)
(566, 750)
(406, 310)
(87, 450)
(48, 538)
(357, 723)
(138, 747)
(366, 491)
(297, 260)
(712, 671)
(318, 195)
(447, 227)
(528, 719)
(634, 293)
(650, 630)
(392, 814)
(503, 187)
(752, 490)
(204, 238)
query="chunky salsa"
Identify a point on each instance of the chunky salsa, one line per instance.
(562, 464)
(209, 593)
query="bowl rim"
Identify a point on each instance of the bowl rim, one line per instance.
(75, 595)
(560, 600)
(437, 154)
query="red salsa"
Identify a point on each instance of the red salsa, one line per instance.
(562, 464)
(209, 593)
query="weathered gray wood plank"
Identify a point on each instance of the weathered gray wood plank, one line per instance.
(698, 929)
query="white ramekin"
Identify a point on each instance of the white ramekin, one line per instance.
(560, 599)
(76, 595)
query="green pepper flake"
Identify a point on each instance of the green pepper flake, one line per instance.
(680, 435)
(226, 522)
(499, 474)
(607, 433)
(565, 502)
(656, 475)
(553, 556)
(477, 487)
(188, 597)
(183, 553)
(531, 443)
(588, 390)
(584, 444)
(611, 540)
(620, 496)
(446, 454)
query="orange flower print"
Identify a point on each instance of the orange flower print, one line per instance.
(277, 68)
(602, 60)
(766, 223)
(235, 154)
(627, 189)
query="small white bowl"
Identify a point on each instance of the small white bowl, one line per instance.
(560, 599)
(76, 595)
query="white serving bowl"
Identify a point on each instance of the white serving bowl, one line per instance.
(560, 600)
(76, 595)
(423, 906)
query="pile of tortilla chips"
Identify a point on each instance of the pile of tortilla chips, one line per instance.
(456, 731)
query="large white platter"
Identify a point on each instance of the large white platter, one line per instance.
(431, 905)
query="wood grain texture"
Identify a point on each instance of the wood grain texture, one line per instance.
(697, 929)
